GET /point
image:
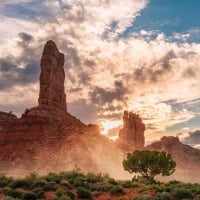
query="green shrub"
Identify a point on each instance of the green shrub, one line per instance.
(53, 177)
(144, 197)
(10, 198)
(71, 174)
(71, 195)
(84, 193)
(112, 181)
(60, 192)
(162, 196)
(149, 163)
(20, 183)
(11, 192)
(182, 193)
(29, 196)
(158, 187)
(39, 183)
(66, 184)
(168, 189)
(126, 184)
(92, 178)
(195, 188)
(174, 182)
(117, 190)
(50, 186)
(39, 192)
(64, 193)
(100, 186)
(65, 197)
(79, 182)
(4, 181)
(135, 184)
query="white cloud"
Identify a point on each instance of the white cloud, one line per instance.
(135, 73)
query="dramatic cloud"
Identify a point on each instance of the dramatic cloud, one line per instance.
(192, 138)
(106, 72)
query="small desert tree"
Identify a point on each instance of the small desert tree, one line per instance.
(149, 163)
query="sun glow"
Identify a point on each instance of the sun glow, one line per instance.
(107, 125)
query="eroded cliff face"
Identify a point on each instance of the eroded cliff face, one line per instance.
(131, 136)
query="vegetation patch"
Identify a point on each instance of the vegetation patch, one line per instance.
(76, 185)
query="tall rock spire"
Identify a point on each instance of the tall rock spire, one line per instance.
(52, 91)
(132, 133)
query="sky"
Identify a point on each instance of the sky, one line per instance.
(136, 55)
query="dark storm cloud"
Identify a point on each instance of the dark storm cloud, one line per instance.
(25, 36)
(193, 138)
(21, 69)
(156, 71)
(156, 75)
(11, 75)
(6, 64)
(191, 105)
(101, 95)
(72, 57)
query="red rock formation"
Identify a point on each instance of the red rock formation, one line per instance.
(131, 136)
(6, 118)
(45, 125)
(52, 77)
(47, 138)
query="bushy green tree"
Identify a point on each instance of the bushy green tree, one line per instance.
(149, 163)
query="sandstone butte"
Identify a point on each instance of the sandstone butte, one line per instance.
(48, 138)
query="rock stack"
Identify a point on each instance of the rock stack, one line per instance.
(131, 136)
(52, 77)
